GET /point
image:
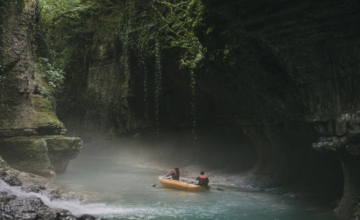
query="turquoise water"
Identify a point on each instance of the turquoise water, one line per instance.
(127, 193)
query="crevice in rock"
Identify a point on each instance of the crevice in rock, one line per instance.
(46, 131)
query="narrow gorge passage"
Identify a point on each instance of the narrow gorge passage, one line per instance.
(261, 95)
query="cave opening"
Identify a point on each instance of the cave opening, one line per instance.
(285, 158)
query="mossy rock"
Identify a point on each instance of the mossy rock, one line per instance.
(45, 113)
(29, 154)
(61, 150)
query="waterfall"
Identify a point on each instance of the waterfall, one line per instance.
(158, 81)
(74, 206)
(193, 106)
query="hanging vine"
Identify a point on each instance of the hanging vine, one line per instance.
(145, 74)
(126, 45)
(179, 19)
(193, 106)
(137, 24)
(158, 81)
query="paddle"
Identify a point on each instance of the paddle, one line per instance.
(216, 188)
(158, 181)
(219, 189)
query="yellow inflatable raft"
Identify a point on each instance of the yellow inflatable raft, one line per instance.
(183, 184)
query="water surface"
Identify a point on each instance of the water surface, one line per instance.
(126, 193)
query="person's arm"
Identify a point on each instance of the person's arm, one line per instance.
(197, 178)
(170, 173)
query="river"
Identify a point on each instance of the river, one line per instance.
(125, 192)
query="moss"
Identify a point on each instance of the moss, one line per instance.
(45, 112)
(61, 150)
(26, 154)
(39, 155)
(64, 144)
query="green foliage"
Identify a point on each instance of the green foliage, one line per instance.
(53, 76)
(71, 23)
(49, 79)
(81, 31)
(179, 18)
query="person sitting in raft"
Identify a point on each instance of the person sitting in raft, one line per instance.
(175, 174)
(202, 179)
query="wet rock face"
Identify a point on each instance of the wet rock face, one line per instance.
(10, 180)
(25, 115)
(44, 155)
(292, 62)
(348, 149)
(23, 112)
(27, 154)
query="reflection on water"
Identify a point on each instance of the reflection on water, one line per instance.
(127, 193)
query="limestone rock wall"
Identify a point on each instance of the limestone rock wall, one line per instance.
(25, 114)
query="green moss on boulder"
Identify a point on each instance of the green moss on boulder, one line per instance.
(29, 154)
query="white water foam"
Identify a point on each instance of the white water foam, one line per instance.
(74, 206)
(99, 209)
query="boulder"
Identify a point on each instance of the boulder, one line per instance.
(29, 154)
(61, 150)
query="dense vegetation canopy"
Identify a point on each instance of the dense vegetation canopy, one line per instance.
(85, 24)
(77, 32)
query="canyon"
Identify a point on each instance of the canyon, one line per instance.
(276, 97)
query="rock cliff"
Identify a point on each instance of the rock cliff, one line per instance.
(27, 117)
(293, 62)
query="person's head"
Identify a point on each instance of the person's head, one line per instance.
(177, 170)
(202, 173)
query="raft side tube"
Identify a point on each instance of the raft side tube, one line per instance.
(183, 184)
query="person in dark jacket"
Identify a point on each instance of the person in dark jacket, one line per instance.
(202, 179)
(175, 174)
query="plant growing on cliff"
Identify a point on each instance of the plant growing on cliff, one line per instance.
(179, 20)
(54, 77)
(79, 31)
(174, 20)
